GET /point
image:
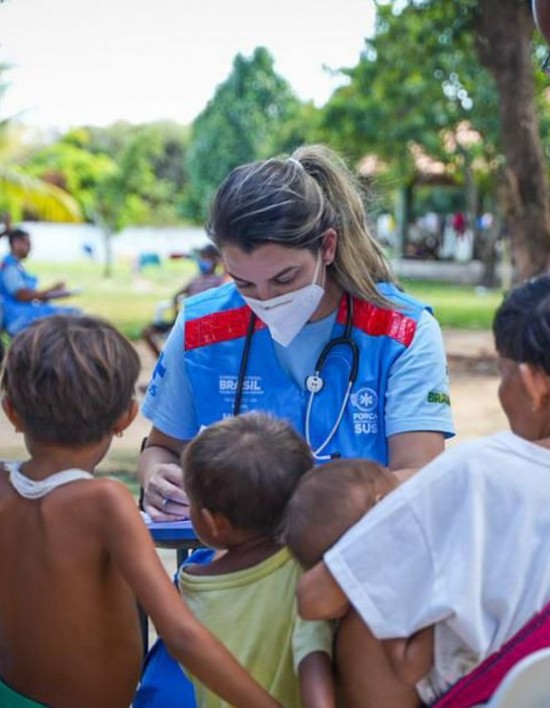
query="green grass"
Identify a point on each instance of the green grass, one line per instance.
(460, 306)
(129, 299)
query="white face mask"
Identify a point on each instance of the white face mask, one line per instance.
(285, 315)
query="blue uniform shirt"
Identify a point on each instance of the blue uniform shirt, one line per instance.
(402, 384)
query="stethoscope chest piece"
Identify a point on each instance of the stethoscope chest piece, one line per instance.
(314, 383)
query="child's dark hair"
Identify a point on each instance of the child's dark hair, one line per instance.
(327, 501)
(70, 378)
(246, 468)
(521, 325)
(14, 235)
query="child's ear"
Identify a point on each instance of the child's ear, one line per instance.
(217, 524)
(12, 415)
(537, 385)
(126, 418)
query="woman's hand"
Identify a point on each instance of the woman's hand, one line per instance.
(164, 498)
(161, 478)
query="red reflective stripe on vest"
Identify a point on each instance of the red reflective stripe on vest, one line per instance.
(377, 321)
(218, 327)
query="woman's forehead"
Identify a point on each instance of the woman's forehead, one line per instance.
(270, 258)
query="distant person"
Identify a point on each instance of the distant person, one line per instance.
(239, 475)
(209, 264)
(75, 554)
(88, 250)
(22, 301)
(463, 545)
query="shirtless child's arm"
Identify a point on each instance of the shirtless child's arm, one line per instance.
(411, 658)
(316, 681)
(128, 542)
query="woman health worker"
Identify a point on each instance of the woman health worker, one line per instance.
(20, 299)
(313, 329)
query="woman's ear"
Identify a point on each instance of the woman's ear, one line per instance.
(328, 249)
(537, 385)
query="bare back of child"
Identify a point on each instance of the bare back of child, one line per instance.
(75, 554)
(70, 634)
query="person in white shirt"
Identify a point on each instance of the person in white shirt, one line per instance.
(462, 546)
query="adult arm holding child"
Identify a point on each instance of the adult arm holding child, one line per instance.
(411, 658)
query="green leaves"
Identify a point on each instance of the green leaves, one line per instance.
(244, 121)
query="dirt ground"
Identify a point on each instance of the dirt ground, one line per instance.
(473, 376)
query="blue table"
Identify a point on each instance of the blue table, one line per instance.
(174, 534)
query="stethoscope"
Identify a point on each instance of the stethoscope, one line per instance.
(314, 382)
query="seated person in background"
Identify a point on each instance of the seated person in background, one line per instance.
(327, 502)
(209, 263)
(22, 302)
(464, 544)
(75, 553)
(239, 476)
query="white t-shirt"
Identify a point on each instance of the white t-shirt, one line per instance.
(464, 545)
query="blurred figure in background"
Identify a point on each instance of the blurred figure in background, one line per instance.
(209, 265)
(21, 300)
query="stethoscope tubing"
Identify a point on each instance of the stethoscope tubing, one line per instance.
(346, 341)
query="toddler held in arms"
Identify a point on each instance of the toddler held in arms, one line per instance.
(75, 554)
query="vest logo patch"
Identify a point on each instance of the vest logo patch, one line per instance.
(251, 384)
(365, 415)
(366, 399)
(439, 397)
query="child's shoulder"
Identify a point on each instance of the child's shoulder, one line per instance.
(102, 488)
(108, 491)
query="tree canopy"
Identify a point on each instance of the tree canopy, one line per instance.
(434, 67)
(20, 191)
(244, 121)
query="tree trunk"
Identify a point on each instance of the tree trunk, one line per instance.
(504, 29)
(108, 242)
(404, 211)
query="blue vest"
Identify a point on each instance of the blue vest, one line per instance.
(12, 309)
(19, 314)
(216, 323)
(29, 280)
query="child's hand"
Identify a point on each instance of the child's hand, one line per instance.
(319, 595)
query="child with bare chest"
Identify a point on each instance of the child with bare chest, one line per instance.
(74, 552)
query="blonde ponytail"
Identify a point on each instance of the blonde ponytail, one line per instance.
(360, 262)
